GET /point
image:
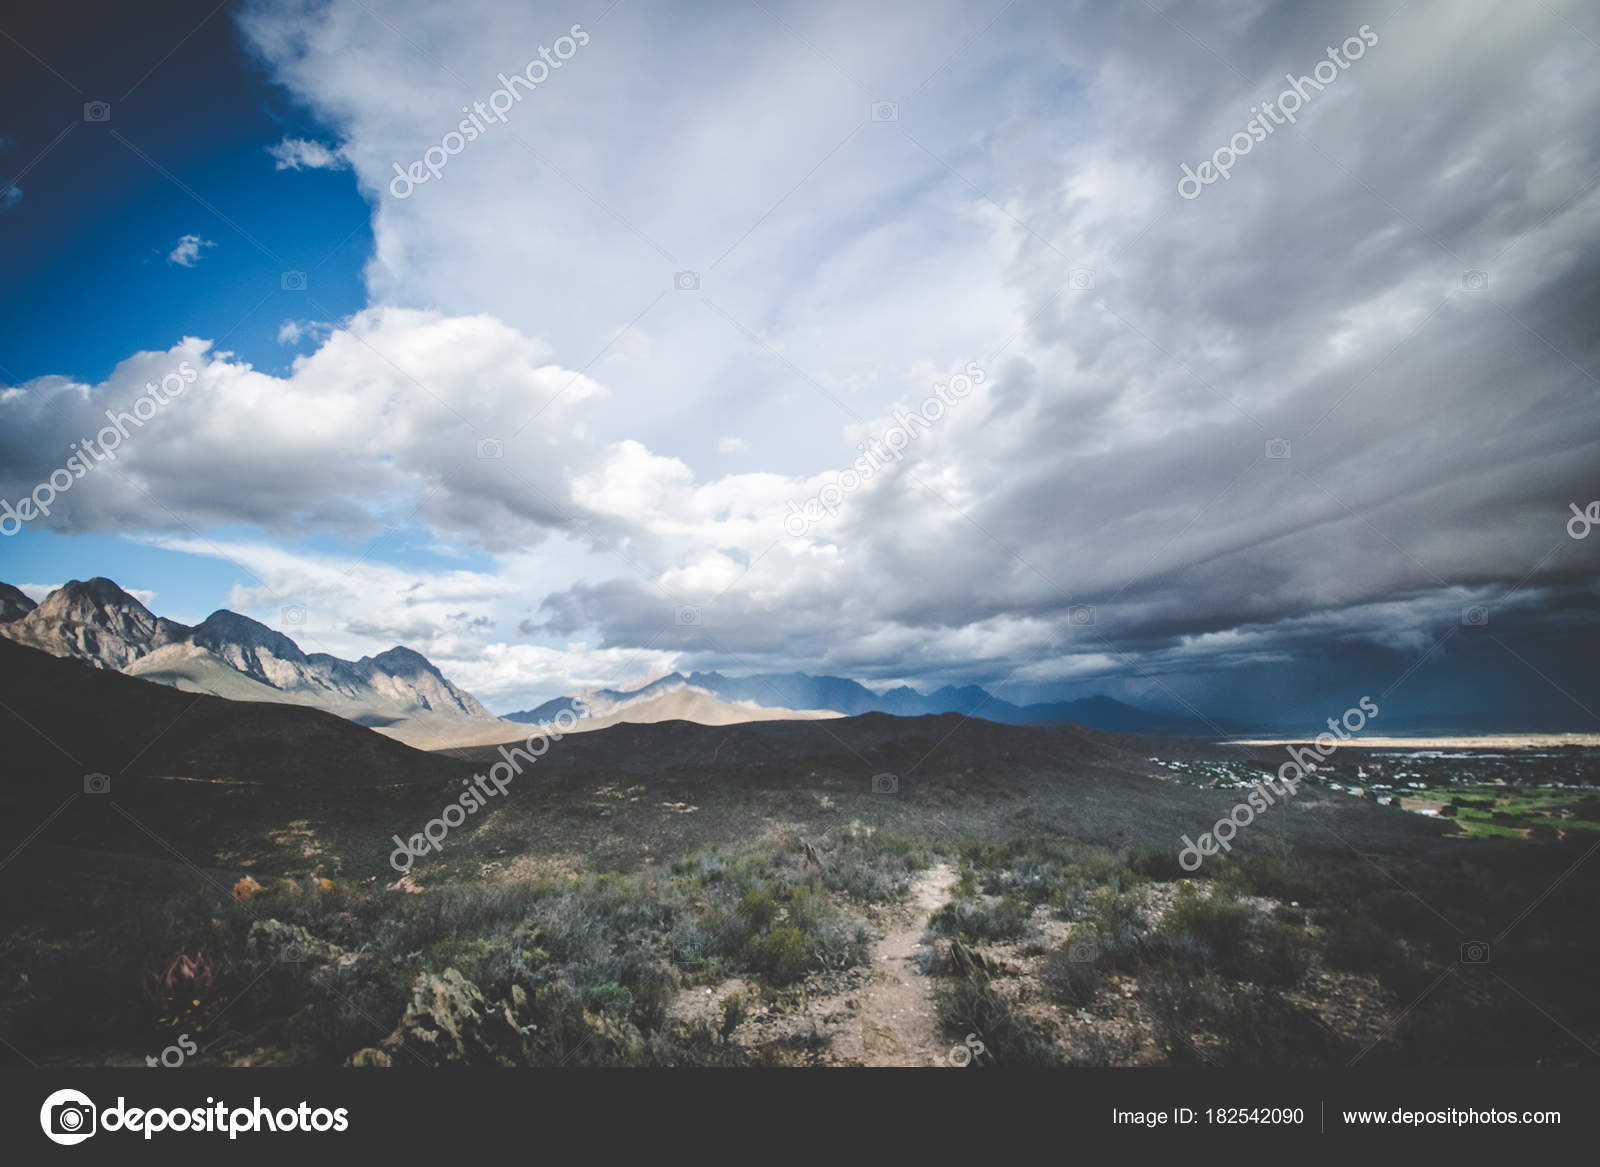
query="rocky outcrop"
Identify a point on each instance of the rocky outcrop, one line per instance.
(449, 1023)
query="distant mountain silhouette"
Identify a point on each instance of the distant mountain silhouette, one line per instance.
(801, 691)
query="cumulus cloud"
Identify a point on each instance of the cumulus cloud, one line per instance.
(187, 251)
(304, 154)
(1280, 426)
(396, 401)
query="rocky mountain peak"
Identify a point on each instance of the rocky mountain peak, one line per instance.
(223, 628)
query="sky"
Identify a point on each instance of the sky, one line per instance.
(1252, 345)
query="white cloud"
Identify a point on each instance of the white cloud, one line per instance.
(304, 154)
(295, 331)
(1115, 453)
(465, 621)
(187, 252)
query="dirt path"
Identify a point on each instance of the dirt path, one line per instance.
(898, 1024)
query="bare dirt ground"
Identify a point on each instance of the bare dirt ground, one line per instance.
(897, 1024)
(883, 1015)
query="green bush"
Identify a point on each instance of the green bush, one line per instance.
(611, 998)
(758, 908)
(782, 955)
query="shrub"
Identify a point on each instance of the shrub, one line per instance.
(1006, 920)
(758, 908)
(1157, 863)
(972, 1005)
(782, 955)
(1072, 974)
(733, 1012)
(1217, 933)
(611, 998)
(1217, 921)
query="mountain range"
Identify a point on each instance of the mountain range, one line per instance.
(402, 694)
(839, 695)
(228, 655)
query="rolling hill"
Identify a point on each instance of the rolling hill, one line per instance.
(64, 722)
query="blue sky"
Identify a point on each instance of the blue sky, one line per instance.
(1276, 438)
(87, 244)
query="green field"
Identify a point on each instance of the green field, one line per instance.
(1514, 812)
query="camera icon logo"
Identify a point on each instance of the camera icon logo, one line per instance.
(97, 783)
(1083, 950)
(885, 111)
(1080, 615)
(68, 1117)
(1475, 281)
(294, 614)
(293, 281)
(1477, 616)
(1278, 449)
(292, 954)
(1475, 952)
(687, 281)
(490, 448)
(687, 616)
(97, 111)
(886, 784)
(1081, 279)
